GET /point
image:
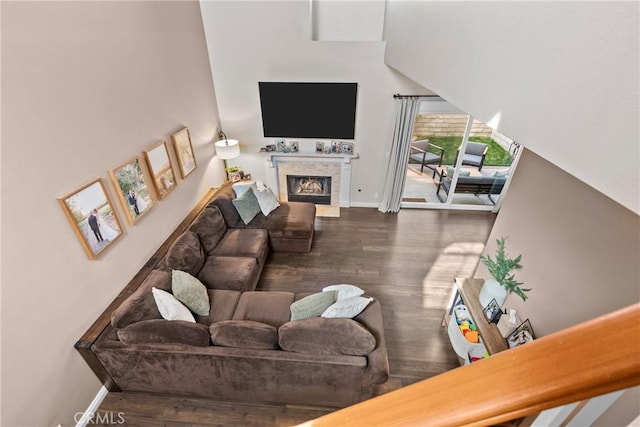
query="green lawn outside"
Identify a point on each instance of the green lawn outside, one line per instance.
(496, 155)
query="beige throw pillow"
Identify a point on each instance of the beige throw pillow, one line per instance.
(313, 305)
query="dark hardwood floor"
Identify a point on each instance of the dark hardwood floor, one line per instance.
(407, 261)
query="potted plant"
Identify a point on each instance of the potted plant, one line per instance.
(505, 283)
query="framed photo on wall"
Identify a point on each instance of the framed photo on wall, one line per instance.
(161, 170)
(132, 189)
(91, 215)
(184, 151)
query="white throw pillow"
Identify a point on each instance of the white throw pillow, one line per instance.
(241, 187)
(344, 291)
(267, 200)
(348, 308)
(170, 308)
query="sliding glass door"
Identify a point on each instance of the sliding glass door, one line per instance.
(457, 162)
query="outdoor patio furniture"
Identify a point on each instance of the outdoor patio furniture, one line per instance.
(474, 154)
(420, 153)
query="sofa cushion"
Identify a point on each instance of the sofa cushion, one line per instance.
(223, 304)
(241, 187)
(141, 305)
(271, 308)
(244, 242)
(244, 334)
(317, 335)
(348, 308)
(190, 291)
(234, 273)
(160, 331)
(170, 308)
(223, 201)
(247, 206)
(210, 227)
(292, 219)
(313, 305)
(186, 254)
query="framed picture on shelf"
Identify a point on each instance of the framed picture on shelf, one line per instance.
(319, 147)
(336, 147)
(91, 215)
(521, 335)
(347, 147)
(280, 145)
(270, 147)
(493, 311)
(294, 146)
(161, 170)
(132, 189)
(184, 151)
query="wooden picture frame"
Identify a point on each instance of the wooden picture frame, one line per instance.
(132, 188)
(184, 152)
(92, 217)
(159, 163)
(521, 335)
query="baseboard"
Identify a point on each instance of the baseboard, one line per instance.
(364, 205)
(88, 414)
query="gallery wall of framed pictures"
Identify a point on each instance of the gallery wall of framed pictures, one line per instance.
(138, 186)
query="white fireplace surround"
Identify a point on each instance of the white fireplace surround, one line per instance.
(337, 166)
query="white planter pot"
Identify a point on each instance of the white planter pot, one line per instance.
(492, 290)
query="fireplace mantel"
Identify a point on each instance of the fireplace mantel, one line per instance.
(274, 156)
(311, 160)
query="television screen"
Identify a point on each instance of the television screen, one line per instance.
(308, 110)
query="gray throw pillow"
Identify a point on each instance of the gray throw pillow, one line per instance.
(190, 291)
(247, 206)
(313, 305)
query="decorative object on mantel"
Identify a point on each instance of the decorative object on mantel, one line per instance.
(347, 147)
(503, 282)
(227, 149)
(319, 147)
(521, 335)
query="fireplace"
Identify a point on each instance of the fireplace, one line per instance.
(304, 188)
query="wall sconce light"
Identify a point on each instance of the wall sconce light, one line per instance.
(226, 148)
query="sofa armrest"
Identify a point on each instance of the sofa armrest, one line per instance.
(377, 360)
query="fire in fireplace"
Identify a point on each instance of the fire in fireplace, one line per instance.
(314, 189)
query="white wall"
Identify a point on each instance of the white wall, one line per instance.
(250, 41)
(562, 76)
(85, 87)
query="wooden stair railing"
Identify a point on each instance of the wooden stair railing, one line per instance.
(593, 358)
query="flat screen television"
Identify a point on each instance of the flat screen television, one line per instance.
(308, 110)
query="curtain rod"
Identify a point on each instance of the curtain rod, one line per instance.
(397, 95)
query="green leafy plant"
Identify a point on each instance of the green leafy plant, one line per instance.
(232, 169)
(501, 268)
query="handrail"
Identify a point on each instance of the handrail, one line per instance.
(593, 358)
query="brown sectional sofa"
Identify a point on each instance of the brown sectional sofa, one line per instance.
(246, 348)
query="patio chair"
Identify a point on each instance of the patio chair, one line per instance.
(419, 152)
(474, 154)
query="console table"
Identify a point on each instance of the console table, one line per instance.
(468, 290)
